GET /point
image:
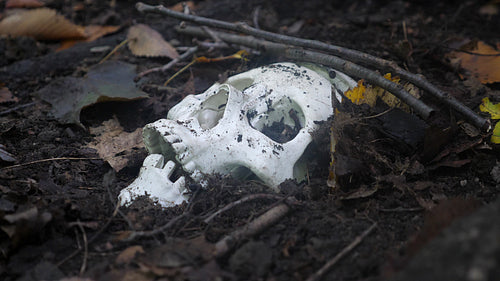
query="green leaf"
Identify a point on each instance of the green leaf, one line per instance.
(492, 109)
(110, 81)
(495, 138)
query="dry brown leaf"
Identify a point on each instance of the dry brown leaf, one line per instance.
(111, 140)
(92, 32)
(127, 255)
(44, 24)
(483, 62)
(145, 41)
(6, 95)
(180, 8)
(23, 4)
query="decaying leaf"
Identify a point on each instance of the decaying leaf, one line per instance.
(495, 137)
(127, 255)
(92, 32)
(482, 61)
(43, 23)
(113, 144)
(112, 80)
(145, 41)
(6, 95)
(23, 4)
(369, 94)
(179, 7)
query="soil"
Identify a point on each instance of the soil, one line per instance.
(411, 177)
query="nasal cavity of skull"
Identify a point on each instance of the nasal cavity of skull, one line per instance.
(212, 109)
(281, 121)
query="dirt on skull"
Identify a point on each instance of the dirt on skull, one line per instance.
(413, 177)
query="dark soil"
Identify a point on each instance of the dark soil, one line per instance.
(411, 177)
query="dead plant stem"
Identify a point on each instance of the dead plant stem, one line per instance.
(319, 274)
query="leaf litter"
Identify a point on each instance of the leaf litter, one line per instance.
(110, 81)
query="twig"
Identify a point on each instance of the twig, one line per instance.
(242, 200)
(267, 219)
(85, 249)
(169, 65)
(5, 112)
(146, 233)
(318, 274)
(310, 56)
(47, 160)
(345, 53)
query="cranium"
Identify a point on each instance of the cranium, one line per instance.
(257, 123)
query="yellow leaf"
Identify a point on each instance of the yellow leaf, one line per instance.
(356, 95)
(495, 138)
(492, 109)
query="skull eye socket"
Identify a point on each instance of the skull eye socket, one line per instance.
(281, 121)
(212, 109)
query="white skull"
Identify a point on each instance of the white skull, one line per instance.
(231, 128)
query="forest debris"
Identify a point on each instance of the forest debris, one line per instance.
(113, 144)
(6, 95)
(5, 155)
(369, 94)
(481, 60)
(110, 81)
(145, 41)
(346, 56)
(494, 111)
(43, 24)
(23, 4)
(127, 255)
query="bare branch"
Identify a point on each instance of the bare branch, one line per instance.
(347, 67)
(267, 219)
(317, 276)
(345, 53)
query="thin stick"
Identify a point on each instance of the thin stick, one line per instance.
(85, 249)
(310, 56)
(47, 160)
(114, 51)
(147, 233)
(345, 53)
(169, 65)
(267, 219)
(318, 274)
(242, 200)
(16, 108)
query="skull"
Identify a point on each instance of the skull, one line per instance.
(257, 124)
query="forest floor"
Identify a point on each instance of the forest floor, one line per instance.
(403, 179)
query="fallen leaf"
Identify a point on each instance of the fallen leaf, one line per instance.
(113, 144)
(6, 96)
(179, 7)
(43, 24)
(127, 255)
(369, 94)
(145, 41)
(23, 4)
(482, 61)
(357, 94)
(110, 81)
(495, 137)
(5, 155)
(491, 108)
(92, 32)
